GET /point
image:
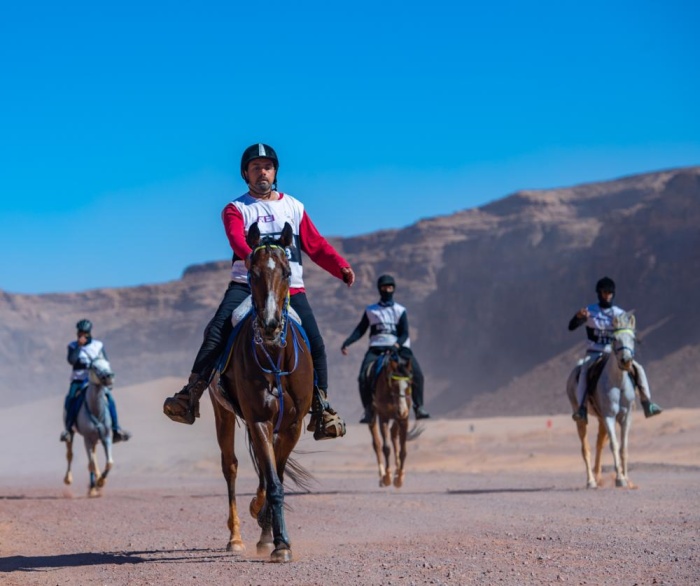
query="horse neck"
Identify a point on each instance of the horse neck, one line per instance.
(613, 371)
(95, 400)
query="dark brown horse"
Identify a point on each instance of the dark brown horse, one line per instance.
(269, 385)
(392, 405)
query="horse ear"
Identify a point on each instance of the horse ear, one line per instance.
(253, 236)
(287, 236)
(633, 321)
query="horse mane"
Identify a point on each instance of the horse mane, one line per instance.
(624, 321)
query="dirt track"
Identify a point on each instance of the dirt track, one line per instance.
(442, 529)
(504, 506)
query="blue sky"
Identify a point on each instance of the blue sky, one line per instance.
(121, 127)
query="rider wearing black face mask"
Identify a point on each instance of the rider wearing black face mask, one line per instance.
(388, 324)
(598, 318)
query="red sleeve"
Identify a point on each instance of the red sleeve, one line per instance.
(319, 250)
(235, 230)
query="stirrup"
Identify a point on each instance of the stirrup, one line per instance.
(651, 409)
(120, 435)
(178, 407)
(367, 417)
(421, 413)
(329, 426)
(580, 415)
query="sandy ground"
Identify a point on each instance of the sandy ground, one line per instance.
(486, 501)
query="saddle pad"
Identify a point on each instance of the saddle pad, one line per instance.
(247, 305)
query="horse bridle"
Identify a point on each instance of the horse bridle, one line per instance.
(623, 347)
(257, 336)
(257, 340)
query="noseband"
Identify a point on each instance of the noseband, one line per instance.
(623, 347)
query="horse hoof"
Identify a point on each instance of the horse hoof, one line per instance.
(93, 492)
(262, 547)
(235, 547)
(591, 484)
(68, 479)
(281, 555)
(621, 483)
(100, 482)
(398, 482)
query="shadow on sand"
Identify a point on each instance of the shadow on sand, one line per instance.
(20, 563)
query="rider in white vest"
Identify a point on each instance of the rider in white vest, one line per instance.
(81, 354)
(271, 209)
(598, 318)
(387, 322)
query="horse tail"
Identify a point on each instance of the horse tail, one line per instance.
(293, 470)
(415, 432)
(299, 475)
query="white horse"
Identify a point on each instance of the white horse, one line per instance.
(94, 423)
(612, 401)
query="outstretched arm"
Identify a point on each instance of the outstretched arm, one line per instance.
(357, 333)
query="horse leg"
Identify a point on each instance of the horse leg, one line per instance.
(399, 435)
(226, 435)
(620, 479)
(107, 444)
(386, 451)
(376, 444)
(90, 448)
(68, 478)
(625, 426)
(582, 428)
(261, 436)
(600, 441)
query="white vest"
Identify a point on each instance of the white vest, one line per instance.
(87, 354)
(271, 217)
(599, 327)
(382, 322)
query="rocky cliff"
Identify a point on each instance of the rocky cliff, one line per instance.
(489, 293)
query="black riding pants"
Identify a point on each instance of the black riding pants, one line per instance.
(219, 329)
(365, 382)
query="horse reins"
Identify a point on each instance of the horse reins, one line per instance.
(257, 340)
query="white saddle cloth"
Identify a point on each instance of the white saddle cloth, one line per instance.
(244, 308)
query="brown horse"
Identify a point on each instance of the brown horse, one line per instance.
(392, 405)
(269, 385)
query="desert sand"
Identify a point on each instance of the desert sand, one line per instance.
(485, 501)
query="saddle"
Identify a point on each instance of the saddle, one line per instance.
(593, 373)
(375, 367)
(596, 367)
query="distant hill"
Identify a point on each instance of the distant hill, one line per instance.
(489, 292)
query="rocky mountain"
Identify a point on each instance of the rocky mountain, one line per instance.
(489, 292)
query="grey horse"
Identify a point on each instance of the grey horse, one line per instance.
(612, 402)
(94, 423)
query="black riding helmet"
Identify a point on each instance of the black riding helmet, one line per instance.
(385, 280)
(258, 151)
(605, 284)
(84, 325)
